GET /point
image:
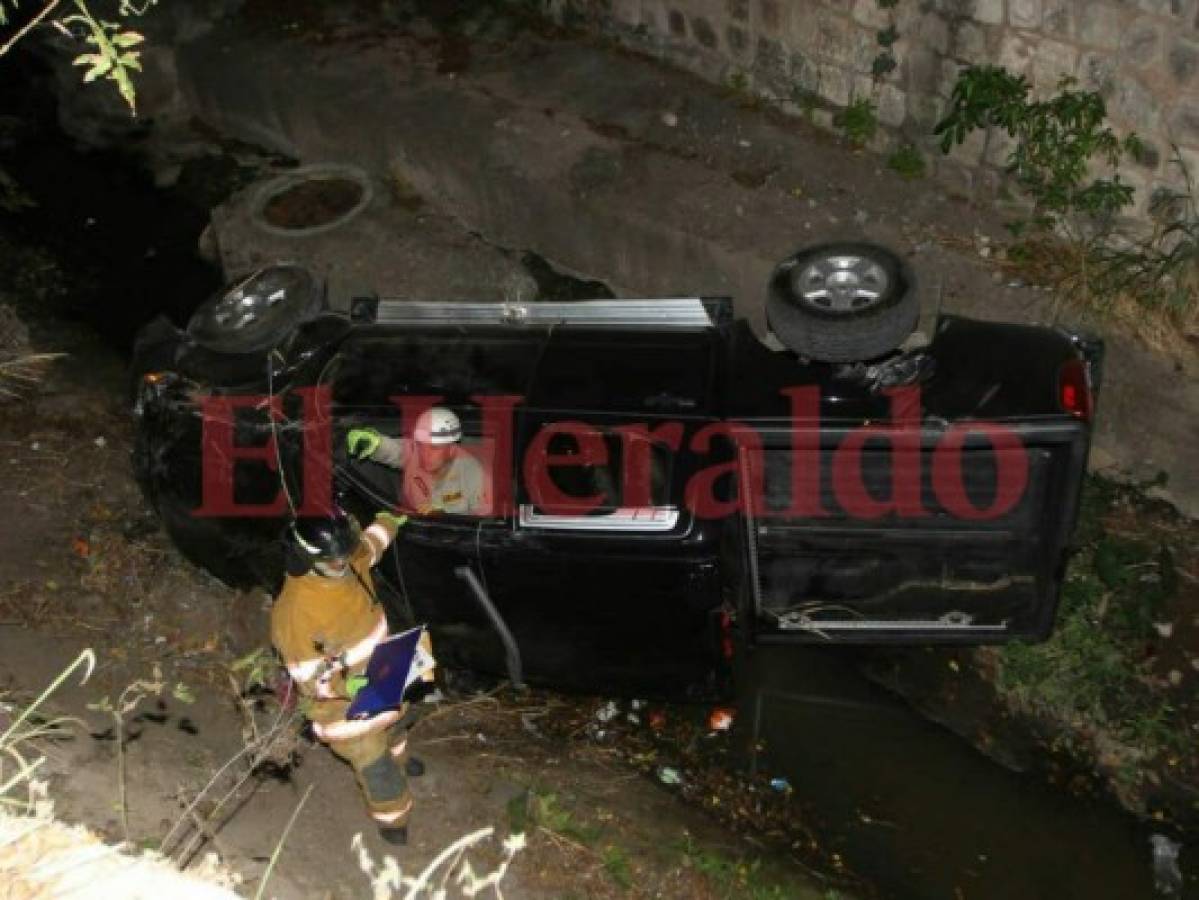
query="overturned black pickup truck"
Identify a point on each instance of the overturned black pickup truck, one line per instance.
(668, 489)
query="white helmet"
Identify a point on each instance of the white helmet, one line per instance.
(438, 425)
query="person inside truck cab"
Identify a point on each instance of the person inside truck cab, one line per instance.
(439, 474)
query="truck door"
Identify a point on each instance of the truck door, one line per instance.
(977, 564)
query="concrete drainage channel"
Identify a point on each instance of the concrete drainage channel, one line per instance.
(349, 228)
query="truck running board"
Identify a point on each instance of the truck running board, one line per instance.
(684, 314)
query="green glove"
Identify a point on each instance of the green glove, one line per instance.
(392, 519)
(362, 442)
(354, 684)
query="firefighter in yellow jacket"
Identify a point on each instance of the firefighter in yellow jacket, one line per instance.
(325, 624)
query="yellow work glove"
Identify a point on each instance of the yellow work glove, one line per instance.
(392, 519)
(354, 684)
(362, 442)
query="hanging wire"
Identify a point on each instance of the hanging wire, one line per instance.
(270, 413)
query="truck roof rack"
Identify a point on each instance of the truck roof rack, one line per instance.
(675, 313)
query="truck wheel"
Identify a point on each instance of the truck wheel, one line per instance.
(842, 302)
(258, 312)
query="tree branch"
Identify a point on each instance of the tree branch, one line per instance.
(29, 26)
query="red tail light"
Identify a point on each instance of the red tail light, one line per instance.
(1074, 389)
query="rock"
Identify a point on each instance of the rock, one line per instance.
(14, 336)
(1158, 492)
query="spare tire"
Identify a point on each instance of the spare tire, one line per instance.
(842, 302)
(258, 312)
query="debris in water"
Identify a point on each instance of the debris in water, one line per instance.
(669, 119)
(669, 775)
(100, 442)
(721, 719)
(1167, 877)
(636, 705)
(1164, 629)
(781, 785)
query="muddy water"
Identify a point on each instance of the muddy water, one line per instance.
(915, 809)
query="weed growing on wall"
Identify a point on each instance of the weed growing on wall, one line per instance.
(907, 163)
(858, 122)
(1070, 237)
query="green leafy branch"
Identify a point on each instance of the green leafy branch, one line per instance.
(112, 54)
(1055, 141)
(113, 57)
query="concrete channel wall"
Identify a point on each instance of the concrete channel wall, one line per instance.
(905, 56)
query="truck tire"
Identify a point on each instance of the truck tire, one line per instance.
(258, 312)
(842, 302)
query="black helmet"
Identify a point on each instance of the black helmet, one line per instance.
(312, 539)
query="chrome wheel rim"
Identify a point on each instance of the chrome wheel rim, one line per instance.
(249, 302)
(841, 284)
(241, 309)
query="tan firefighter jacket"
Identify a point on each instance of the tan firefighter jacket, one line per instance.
(326, 628)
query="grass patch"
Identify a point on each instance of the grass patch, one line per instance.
(1094, 671)
(1084, 276)
(616, 864)
(546, 810)
(858, 122)
(733, 877)
(907, 163)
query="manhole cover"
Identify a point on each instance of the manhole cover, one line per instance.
(311, 204)
(312, 200)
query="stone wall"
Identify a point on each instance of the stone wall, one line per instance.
(810, 57)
